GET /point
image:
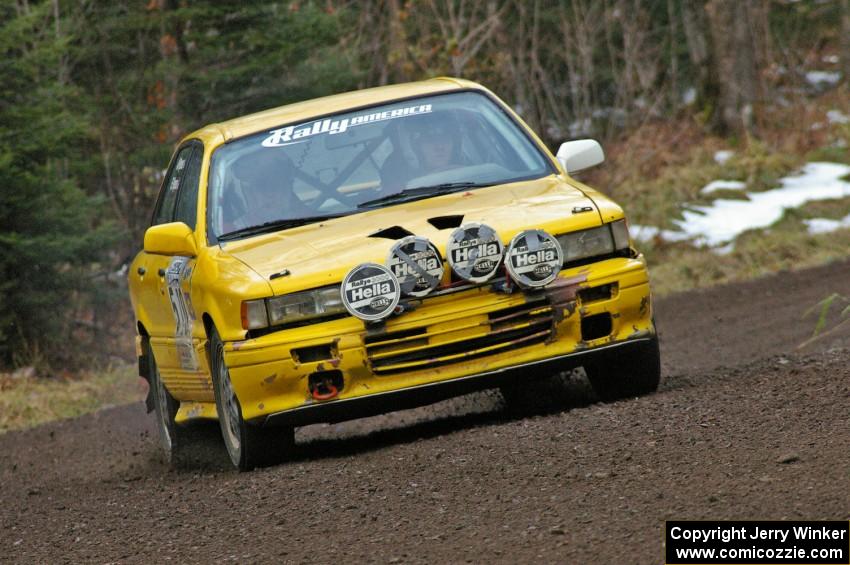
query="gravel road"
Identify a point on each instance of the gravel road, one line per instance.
(745, 426)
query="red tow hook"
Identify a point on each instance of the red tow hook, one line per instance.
(324, 391)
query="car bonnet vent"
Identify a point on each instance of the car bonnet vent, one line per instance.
(446, 222)
(395, 232)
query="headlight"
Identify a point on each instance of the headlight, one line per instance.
(304, 305)
(621, 234)
(586, 243)
(603, 240)
(289, 308)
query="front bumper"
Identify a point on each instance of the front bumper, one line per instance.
(451, 344)
(380, 403)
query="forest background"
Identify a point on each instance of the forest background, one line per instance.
(94, 95)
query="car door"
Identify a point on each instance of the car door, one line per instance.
(164, 281)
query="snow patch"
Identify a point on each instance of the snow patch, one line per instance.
(720, 157)
(648, 233)
(725, 249)
(837, 117)
(825, 225)
(818, 77)
(716, 185)
(726, 219)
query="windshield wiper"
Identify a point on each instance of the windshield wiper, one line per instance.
(420, 192)
(275, 225)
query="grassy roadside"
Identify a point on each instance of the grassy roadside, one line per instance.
(657, 171)
(29, 401)
(680, 267)
(787, 244)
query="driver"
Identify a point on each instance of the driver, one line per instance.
(431, 141)
(437, 145)
(266, 177)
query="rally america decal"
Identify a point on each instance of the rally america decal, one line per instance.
(416, 264)
(178, 271)
(298, 133)
(534, 258)
(370, 292)
(474, 252)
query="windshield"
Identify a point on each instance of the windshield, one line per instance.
(368, 158)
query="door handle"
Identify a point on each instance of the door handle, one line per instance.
(161, 272)
(141, 271)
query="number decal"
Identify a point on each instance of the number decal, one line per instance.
(179, 270)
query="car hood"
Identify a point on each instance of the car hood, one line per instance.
(320, 254)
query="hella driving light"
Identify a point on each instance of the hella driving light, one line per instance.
(533, 258)
(417, 265)
(370, 292)
(304, 305)
(475, 252)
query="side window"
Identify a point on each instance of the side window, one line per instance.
(164, 211)
(187, 200)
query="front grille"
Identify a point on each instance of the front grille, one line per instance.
(464, 339)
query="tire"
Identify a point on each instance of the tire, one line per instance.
(627, 374)
(183, 445)
(249, 446)
(541, 393)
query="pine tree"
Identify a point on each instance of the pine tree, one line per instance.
(48, 233)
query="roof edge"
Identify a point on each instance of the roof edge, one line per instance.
(306, 109)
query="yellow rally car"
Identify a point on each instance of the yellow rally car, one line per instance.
(373, 251)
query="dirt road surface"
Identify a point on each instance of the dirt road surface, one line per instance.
(744, 427)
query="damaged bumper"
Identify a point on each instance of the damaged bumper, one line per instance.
(451, 344)
(371, 405)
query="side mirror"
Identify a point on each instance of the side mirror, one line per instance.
(175, 238)
(580, 154)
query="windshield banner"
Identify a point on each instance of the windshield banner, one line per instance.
(298, 133)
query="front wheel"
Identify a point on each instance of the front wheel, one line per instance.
(627, 374)
(248, 445)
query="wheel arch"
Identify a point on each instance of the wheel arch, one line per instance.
(209, 327)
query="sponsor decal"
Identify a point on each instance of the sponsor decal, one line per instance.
(416, 264)
(370, 292)
(179, 271)
(474, 252)
(534, 258)
(296, 134)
